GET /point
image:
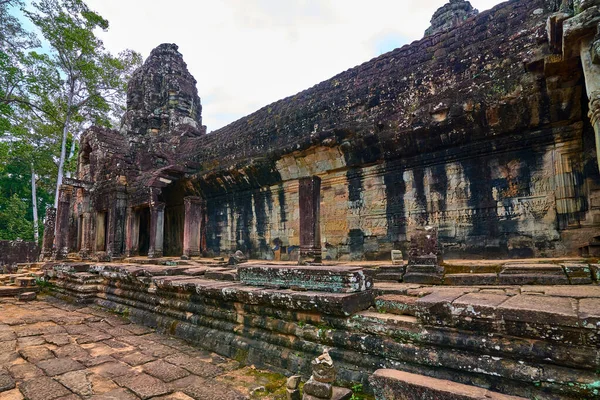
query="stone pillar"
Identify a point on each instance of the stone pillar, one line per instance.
(116, 225)
(157, 228)
(49, 230)
(310, 227)
(87, 238)
(61, 236)
(132, 233)
(192, 230)
(581, 37)
(591, 71)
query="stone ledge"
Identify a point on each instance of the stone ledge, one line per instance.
(394, 384)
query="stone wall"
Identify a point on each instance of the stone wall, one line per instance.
(17, 251)
(511, 202)
(465, 129)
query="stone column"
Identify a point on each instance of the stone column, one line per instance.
(591, 71)
(49, 230)
(310, 227)
(61, 236)
(87, 238)
(116, 225)
(132, 233)
(157, 225)
(581, 37)
(192, 229)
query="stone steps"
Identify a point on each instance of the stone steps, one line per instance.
(533, 274)
(11, 291)
(394, 384)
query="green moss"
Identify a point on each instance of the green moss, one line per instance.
(173, 327)
(273, 383)
(241, 356)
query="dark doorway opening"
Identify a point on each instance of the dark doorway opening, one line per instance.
(173, 196)
(144, 231)
(79, 232)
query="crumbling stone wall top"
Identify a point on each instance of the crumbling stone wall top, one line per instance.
(461, 86)
(450, 15)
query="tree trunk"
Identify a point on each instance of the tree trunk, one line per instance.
(63, 147)
(71, 153)
(36, 230)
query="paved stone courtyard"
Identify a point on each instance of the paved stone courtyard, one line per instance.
(54, 350)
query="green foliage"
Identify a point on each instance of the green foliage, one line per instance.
(13, 222)
(48, 96)
(44, 284)
(358, 393)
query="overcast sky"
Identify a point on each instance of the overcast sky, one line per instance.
(246, 54)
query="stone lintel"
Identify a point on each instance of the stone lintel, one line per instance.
(315, 278)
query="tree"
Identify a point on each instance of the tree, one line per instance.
(48, 97)
(92, 81)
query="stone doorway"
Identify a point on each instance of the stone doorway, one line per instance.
(144, 230)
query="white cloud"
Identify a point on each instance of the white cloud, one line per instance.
(246, 54)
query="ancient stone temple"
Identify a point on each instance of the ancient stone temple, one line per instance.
(390, 202)
(484, 129)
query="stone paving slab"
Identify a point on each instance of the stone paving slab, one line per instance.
(42, 357)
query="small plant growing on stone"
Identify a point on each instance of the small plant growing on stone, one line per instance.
(356, 392)
(42, 283)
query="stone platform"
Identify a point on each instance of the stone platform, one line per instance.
(528, 341)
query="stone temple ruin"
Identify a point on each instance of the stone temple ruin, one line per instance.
(469, 148)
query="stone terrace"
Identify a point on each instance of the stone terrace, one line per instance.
(54, 350)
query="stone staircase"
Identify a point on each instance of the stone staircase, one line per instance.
(23, 280)
(563, 272)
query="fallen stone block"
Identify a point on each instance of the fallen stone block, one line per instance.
(396, 304)
(27, 296)
(578, 274)
(393, 384)
(25, 281)
(315, 278)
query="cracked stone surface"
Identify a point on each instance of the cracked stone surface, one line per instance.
(51, 350)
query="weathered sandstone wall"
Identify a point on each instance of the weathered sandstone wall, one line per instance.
(470, 129)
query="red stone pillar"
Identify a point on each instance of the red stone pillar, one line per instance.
(49, 230)
(310, 227)
(192, 230)
(157, 228)
(61, 236)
